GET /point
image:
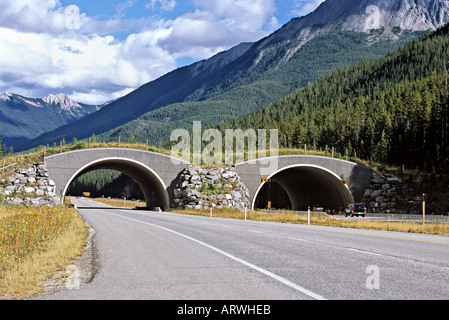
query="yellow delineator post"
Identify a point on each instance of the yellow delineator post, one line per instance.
(308, 216)
(424, 208)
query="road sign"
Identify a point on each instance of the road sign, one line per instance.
(264, 179)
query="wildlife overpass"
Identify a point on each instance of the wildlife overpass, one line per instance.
(304, 180)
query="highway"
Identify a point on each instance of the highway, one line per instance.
(143, 255)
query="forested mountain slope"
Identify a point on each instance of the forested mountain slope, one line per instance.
(393, 109)
(251, 75)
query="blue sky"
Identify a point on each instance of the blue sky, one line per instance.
(96, 51)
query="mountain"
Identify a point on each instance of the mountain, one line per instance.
(339, 33)
(25, 118)
(393, 110)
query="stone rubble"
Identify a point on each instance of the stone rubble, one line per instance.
(389, 194)
(217, 187)
(30, 186)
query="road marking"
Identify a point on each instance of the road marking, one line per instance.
(246, 263)
(324, 229)
(366, 252)
(297, 239)
(254, 231)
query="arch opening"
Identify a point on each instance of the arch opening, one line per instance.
(106, 184)
(152, 186)
(302, 186)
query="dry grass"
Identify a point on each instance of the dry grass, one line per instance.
(35, 243)
(284, 216)
(120, 203)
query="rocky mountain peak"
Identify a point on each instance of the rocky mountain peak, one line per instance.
(62, 100)
(388, 17)
(366, 15)
(5, 96)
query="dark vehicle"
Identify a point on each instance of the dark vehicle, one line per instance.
(318, 208)
(355, 209)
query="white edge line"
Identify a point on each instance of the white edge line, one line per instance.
(246, 263)
(366, 252)
(297, 239)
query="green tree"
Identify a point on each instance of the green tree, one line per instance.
(135, 138)
(382, 148)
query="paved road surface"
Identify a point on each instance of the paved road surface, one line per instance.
(144, 255)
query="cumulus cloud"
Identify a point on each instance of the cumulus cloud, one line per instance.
(304, 7)
(167, 5)
(44, 47)
(217, 25)
(87, 64)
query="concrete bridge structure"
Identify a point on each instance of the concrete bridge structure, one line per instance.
(307, 180)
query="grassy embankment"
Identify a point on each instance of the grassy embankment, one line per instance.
(35, 243)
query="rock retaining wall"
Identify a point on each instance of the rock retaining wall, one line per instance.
(30, 186)
(219, 187)
(390, 194)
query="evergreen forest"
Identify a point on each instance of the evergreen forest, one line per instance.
(393, 109)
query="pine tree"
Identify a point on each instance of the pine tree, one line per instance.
(381, 153)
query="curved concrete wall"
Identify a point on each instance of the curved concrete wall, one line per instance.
(321, 170)
(155, 173)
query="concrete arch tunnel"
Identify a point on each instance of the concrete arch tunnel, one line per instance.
(305, 181)
(154, 173)
(305, 186)
(153, 188)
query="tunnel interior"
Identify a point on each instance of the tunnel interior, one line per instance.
(301, 187)
(154, 190)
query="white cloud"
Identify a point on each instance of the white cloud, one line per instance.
(167, 5)
(304, 7)
(249, 15)
(81, 63)
(218, 25)
(41, 54)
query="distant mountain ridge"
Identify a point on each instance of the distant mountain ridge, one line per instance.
(24, 118)
(337, 34)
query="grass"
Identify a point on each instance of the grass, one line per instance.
(120, 203)
(35, 243)
(284, 216)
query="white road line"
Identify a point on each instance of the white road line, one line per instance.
(366, 252)
(246, 263)
(297, 239)
(254, 231)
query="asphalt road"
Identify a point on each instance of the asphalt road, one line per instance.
(143, 255)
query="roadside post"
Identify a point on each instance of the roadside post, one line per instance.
(424, 208)
(308, 217)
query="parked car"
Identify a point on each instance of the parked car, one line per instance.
(355, 209)
(318, 208)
